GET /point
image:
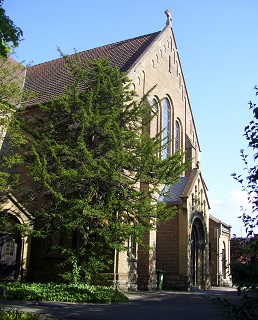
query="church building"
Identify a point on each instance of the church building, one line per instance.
(193, 248)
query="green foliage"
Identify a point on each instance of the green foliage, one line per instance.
(9, 33)
(75, 275)
(50, 291)
(90, 150)
(16, 314)
(11, 80)
(249, 184)
(244, 263)
(244, 274)
(88, 270)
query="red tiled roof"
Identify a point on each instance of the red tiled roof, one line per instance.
(48, 79)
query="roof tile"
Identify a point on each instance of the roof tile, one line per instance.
(47, 80)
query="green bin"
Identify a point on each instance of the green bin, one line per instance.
(160, 274)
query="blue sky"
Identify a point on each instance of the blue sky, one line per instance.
(217, 43)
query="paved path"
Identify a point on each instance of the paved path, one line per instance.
(160, 305)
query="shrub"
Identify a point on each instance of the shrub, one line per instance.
(79, 292)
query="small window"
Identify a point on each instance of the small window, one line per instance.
(177, 70)
(177, 136)
(169, 63)
(9, 248)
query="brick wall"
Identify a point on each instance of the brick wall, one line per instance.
(168, 247)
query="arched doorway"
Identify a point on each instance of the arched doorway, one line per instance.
(197, 267)
(10, 248)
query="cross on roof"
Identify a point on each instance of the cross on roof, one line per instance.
(169, 17)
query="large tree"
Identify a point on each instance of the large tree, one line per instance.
(11, 80)
(10, 34)
(249, 183)
(90, 151)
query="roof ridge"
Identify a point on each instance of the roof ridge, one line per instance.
(218, 220)
(130, 39)
(48, 79)
(96, 48)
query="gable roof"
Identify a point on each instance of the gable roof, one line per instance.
(49, 79)
(173, 193)
(190, 184)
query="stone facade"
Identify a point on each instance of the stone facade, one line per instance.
(160, 66)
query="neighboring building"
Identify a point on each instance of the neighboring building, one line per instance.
(180, 246)
(219, 256)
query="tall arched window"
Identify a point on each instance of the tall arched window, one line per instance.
(177, 136)
(166, 114)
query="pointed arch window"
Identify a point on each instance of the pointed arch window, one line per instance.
(177, 136)
(166, 115)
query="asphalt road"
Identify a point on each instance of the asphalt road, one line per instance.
(160, 305)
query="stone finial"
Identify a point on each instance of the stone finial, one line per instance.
(169, 17)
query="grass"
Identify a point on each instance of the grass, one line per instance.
(61, 292)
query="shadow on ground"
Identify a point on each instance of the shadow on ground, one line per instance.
(159, 305)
